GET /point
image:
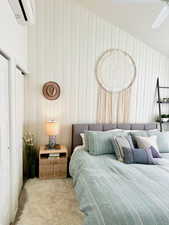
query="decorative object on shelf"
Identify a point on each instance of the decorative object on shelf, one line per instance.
(30, 155)
(165, 99)
(164, 118)
(52, 129)
(51, 90)
(115, 73)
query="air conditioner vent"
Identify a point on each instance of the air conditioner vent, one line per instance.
(24, 11)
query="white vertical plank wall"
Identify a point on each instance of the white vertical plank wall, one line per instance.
(63, 46)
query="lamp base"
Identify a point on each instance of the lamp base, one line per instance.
(52, 143)
(57, 146)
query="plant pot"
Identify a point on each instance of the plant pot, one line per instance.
(31, 159)
(32, 170)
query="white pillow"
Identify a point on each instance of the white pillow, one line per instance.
(135, 131)
(82, 135)
(78, 148)
(130, 131)
(146, 142)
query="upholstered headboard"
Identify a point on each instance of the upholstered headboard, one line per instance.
(80, 128)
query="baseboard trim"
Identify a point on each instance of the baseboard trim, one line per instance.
(21, 203)
(14, 215)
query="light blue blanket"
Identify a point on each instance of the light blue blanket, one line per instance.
(114, 193)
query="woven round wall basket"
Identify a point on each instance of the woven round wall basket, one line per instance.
(51, 90)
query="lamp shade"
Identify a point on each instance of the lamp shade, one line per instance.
(52, 128)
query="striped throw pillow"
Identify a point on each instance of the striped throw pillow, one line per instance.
(99, 142)
(119, 143)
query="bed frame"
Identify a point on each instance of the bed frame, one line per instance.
(80, 128)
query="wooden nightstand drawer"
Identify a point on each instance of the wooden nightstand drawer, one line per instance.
(60, 170)
(44, 162)
(58, 161)
(56, 170)
(53, 167)
(45, 172)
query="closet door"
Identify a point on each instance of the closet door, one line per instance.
(4, 142)
(17, 123)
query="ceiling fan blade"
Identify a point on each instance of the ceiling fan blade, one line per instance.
(161, 18)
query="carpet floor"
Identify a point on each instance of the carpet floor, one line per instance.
(50, 202)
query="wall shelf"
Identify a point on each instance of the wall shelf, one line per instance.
(160, 102)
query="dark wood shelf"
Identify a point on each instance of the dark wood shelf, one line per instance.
(164, 87)
(161, 122)
(162, 102)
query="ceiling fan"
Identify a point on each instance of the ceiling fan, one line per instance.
(162, 16)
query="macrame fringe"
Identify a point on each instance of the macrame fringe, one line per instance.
(113, 107)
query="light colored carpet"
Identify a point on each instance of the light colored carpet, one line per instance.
(50, 202)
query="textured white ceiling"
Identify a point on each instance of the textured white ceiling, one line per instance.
(135, 17)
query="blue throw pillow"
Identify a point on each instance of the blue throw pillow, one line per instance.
(100, 142)
(141, 156)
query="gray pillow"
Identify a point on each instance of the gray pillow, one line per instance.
(137, 155)
(119, 142)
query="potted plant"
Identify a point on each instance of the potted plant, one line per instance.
(30, 155)
(164, 118)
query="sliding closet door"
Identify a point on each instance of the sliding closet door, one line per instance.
(4, 142)
(17, 122)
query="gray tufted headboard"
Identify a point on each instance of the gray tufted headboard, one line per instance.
(80, 128)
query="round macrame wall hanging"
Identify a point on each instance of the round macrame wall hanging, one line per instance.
(115, 70)
(115, 74)
(51, 90)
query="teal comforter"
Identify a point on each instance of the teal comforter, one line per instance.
(114, 193)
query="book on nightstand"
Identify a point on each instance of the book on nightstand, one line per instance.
(53, 155)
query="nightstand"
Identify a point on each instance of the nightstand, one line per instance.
(53, 167)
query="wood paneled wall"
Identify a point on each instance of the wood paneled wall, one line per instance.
(63, 47)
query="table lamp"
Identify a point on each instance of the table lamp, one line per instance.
(52, 129)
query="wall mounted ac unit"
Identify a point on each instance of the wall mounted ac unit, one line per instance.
(24, 11)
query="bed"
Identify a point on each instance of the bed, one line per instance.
(114, 193)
